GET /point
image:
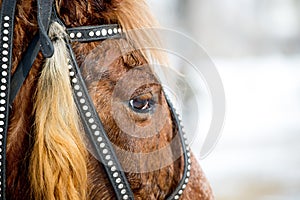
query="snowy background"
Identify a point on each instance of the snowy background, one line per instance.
(255, 45)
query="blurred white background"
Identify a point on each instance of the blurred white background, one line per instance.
(255, 45)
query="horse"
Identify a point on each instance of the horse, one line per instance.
(47, 152)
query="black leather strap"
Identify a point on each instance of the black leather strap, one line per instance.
(96, 133)
(186, 153)
(94, 33)
(6, 39)
(24, 67)
(44, 16)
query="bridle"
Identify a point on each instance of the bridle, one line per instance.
(9, 87)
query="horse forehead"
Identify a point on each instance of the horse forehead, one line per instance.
(136, 77)
(113, 59)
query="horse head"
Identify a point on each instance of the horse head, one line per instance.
(48, 154)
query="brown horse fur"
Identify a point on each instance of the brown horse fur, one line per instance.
(46, 154)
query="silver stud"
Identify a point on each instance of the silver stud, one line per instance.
(97, 133)
(5, 52)
(74, 80)
(98, 33)
(2, 94)
(1, 129)
(110, 31)
(186, 142)
(78, 35)
(110, 163)
(4, 73)
(92, 33)
(1, 123)
(105, 151)
(5, 38)
(88, 114)
(3, 87)
(85, 107)
(72, 74)
(1, 137)
(82, 100)
(4, 66)
(189, 167)
(113, 168)
(108, 158)
(183, 186)
(72, 35)
(125, 197)
(99, 139)
(2, 116)
(6, 18)
(4, 59)
(2, 108)
(180, 192)
(5, 45)
(102, 145)
(118, 180)
(115, 30)
(188, 174)
(91, 120)
(176, 197)
(70, 66)
(94, 126)
(6, 25)
(115, 175)
(186, 180)
(120, 186)
(104, 32)
(189, 161)
(119, 30)
(3, 80)
(79, 94)
(2, 101)
(76, 87)
(123, 191)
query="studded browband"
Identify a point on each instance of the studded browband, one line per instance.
(92, 124)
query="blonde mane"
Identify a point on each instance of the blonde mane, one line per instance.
(58, 160)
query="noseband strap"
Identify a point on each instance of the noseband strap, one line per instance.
(89, 116)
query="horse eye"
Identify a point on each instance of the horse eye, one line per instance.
(141, 104)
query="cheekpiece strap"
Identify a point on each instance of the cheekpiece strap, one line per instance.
(96, 133)
(6, 38)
